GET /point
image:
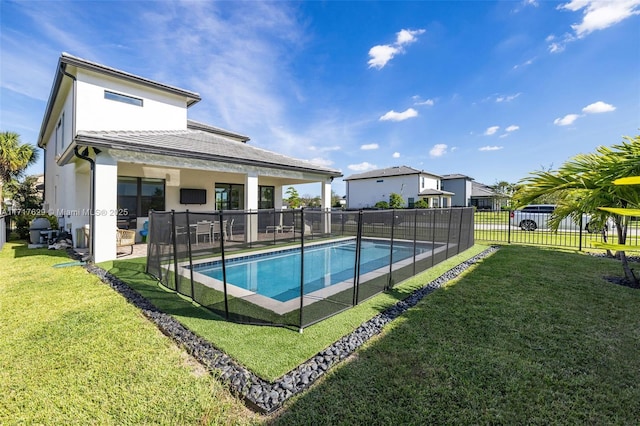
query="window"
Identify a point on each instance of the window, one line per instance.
(229, 196)
(122, 98)
(60, 135)
(139, 195)
(265, 197)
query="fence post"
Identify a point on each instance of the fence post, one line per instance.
(301, 268)
(509, 227)
(175, 250)
(149, 230)
(190, 256)
(356, 267)
(581, 225)
(223, 232)
(393, 225)
(415, 235)
(460, 229)
(446, 256)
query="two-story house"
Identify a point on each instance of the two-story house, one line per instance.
(117, 145)
(470, 193)
(366, 189)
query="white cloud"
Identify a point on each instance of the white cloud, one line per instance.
(321, 162)
(512, 128)
(381, 54)
(567, 120)
(364, 166)
(428, 102)
(507, 98)
(399, 116)
(324, 148)
(599, 15)
(491, 130)
(524, 64)
(490, 148)
(598, 107)
(369, 146)
(438, 150)
(396, 155)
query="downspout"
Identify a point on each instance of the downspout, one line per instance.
(83, 157)
(92, 200)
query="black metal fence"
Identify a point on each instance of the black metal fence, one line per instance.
(504, 226)
(298, 267)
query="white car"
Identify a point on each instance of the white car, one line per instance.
(536, 216)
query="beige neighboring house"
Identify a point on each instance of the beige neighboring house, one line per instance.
(364, 190)
(117, 145)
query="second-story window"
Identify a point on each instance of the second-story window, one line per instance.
(122, 98)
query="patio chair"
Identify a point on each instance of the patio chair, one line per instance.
(125, 237)
(220, 231)
(203, 228)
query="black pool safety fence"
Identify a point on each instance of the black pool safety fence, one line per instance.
(294, 268)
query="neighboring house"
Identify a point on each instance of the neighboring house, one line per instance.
(469, 193)
(461, 186)
(366, 189)
(485, 198)
(117, 145)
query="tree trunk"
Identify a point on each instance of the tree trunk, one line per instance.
(628, 272)
(622, 238)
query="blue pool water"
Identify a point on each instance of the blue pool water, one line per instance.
(277, 274)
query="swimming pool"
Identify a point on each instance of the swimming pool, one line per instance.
(276, 275)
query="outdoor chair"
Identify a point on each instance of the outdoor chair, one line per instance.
(220, 231)
(203, 228)
(125, 237)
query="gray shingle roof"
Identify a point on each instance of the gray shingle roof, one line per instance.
(196, 144)
(481, 190)
(389, 171)
(456, 176)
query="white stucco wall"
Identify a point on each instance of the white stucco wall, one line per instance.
(364, 193)
(160, 110)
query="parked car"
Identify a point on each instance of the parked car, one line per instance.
(536, 216)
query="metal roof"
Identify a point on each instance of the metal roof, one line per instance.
(196, 144)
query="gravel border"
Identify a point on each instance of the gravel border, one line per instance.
(260, 395)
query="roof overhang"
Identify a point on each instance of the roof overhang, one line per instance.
(88, 141)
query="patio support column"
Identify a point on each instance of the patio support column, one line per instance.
(251, 203)
(326, 205)
(277, 197)
(106, 204)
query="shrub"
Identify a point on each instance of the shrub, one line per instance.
(23, 222)
(382, 205)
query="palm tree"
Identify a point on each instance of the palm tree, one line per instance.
(15, 157)
(585, 183)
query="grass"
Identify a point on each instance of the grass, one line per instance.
(74, 351)
(281, 349)
(530, 336)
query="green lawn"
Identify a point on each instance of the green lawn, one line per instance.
(72, 351)
(530, 336)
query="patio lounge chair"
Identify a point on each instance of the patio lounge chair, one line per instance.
(125, 237)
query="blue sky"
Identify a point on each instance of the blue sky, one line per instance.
(493, 90)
